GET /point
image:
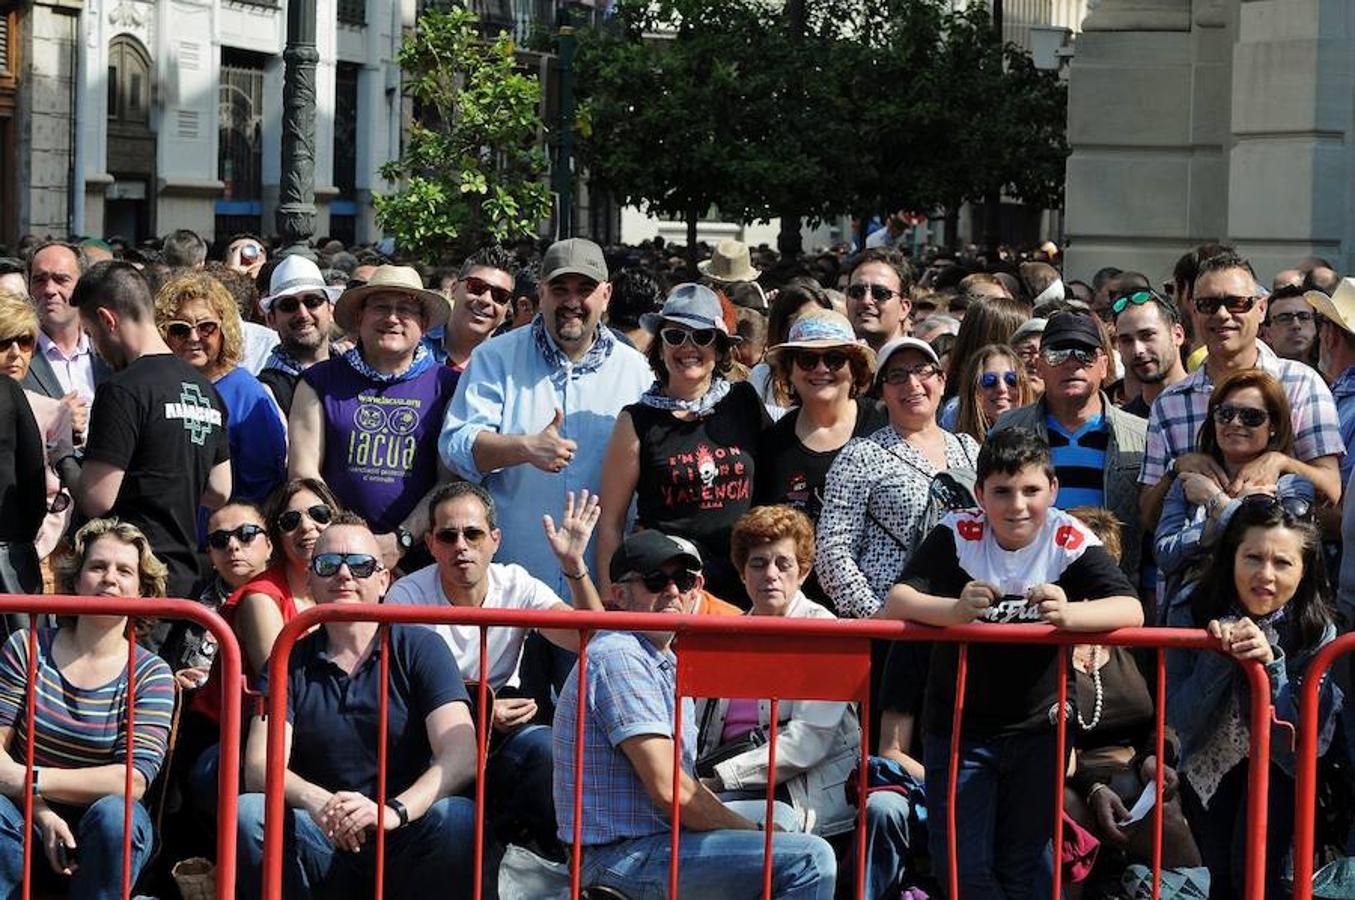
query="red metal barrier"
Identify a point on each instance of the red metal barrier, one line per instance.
(228, 653)
(1305, 787)
(707, 634)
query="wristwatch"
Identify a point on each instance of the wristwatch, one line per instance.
(404, 538)
(399, 807)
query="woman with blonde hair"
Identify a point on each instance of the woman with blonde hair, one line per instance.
(81, 709)
(992, 381)
(200, 322)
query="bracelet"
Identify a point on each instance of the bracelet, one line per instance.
(579, 577)
(400, 811)
(37, 791)
(1096, 787)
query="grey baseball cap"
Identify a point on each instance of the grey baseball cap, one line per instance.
(574, 256)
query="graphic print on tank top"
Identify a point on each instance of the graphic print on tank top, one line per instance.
(706, 478)
(382, 443)
(1060, 543)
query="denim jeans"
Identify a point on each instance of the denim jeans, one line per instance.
(98, 834)
(887, 843)
(726, 864)
(432, 856)
(1004, 812)
(518, 788)
(1221, 830)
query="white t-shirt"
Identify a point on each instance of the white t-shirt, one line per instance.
(510, 587)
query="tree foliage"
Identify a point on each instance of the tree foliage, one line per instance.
(472, 166)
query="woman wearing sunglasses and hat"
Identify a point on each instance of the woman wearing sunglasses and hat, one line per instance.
(685, 452)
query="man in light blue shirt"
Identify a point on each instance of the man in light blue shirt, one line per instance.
(534, 410)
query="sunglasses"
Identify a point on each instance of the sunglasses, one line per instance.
(180, 331)
(878, 292)
(360, 565)
(1265, 504)
(657, 581)
(221, 538)
(1235, 305)
(1138, 298)
(676, 337)
(901, 374)
(25, 342)
(291, 519)
(472, 535)
(289, 305)
(1056, 358)
(1284, 318)
(988, 380)
(808, 361)
(481, 287)
(1249, 416)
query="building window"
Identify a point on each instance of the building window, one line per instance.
(352, 12)
(343, 208)
(129, 82)
(240, 142)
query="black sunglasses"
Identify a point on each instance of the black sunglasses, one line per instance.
(481, 287)
(878, 292)
(360, 565)
(1247, 415)
(291, 519)
(676, 337)
(657, 581)
(1235, 305)
(808, 360)
(472, 535)
(1297, 508)
(245, 534)
(289, 305)
(25, 342)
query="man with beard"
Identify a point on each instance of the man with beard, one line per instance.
(300, 308)
(1149, 336)
(482, 295)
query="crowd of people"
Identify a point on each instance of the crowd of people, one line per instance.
(937, 438)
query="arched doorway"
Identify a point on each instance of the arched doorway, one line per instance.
(131, 143)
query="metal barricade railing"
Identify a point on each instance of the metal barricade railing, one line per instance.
(228, 654)
(1305, 780)
(709, 635)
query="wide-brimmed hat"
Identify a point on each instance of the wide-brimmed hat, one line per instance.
(730, 262)
(692, 305)
(295, 274)
(391, 280)
(904, 343)
(1339, 308)
(822, 329)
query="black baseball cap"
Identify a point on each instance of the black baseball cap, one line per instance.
(1070, 329)
(647, 551)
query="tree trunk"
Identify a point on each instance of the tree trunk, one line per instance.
(692, 216)
(951, 237)
(789, 242)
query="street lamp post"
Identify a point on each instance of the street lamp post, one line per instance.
(295, 216)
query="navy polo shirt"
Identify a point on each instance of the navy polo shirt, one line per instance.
(335, 717)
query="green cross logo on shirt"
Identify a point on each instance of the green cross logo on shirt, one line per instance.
(196, 412)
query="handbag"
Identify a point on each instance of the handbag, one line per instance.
(705, 765)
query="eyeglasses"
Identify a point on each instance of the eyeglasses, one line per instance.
(676, 337)
(878, 292)
(1138, 298)
(221, 538)
(449, 536)
(360, 565)
(1056, 358)
(1249, 416)
(988, 380)
(289, 305)
(900, 374)
(24, 341)
(1234, 304)
(1284, 318)
(179, 330)
(1299, 508)
(657, 581)
(60, 503)
(291, 519)
(808, 360)
(481, 287)
(398, 310)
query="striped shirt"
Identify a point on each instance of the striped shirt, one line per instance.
(1079, 461)
(79, 727)
(1178, 413)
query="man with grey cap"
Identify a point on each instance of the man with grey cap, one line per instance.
(1096, 447)
(628, 743)
(366, 421)
(300, 308)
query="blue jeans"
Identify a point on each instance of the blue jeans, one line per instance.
(887, 843)
(518, 787)
(726, 864)
(1004, 812)
(98, 839)
(432, 856)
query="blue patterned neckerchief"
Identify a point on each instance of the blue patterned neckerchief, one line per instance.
(284, 361)
(422, 362)
(556, 358)
(700, 407)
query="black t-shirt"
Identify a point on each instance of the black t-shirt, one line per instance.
(23, 485)
(283, 386)
(164, 425)
(696, 476)
(1137, 407)
(789, 472)
(1008, 689)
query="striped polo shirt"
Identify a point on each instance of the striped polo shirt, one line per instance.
(1079, 461)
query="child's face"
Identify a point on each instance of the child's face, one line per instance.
(1016, 504)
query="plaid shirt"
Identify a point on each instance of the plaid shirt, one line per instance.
(631, 686)
(1178, 413)
(1343, 390)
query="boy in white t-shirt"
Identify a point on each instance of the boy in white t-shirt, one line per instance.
(1017, 559)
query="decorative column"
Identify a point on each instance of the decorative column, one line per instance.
(296, 207)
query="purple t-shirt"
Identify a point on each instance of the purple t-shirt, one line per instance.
(381, 453)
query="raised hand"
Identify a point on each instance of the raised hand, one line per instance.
(570, 540)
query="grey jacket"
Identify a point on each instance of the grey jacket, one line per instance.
(1124, 458)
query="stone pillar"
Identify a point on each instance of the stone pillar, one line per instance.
(1148, 111)
(1291, 161)
(46, 118)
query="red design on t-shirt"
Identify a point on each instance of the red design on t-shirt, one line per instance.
(970, 529)
(1068, 537)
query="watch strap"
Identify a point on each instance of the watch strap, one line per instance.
(400, 810)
